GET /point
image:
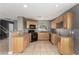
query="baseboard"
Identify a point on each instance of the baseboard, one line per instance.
(10, 52)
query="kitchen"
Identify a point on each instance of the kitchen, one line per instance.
(46, 30)
(42, 29)
(39, 32)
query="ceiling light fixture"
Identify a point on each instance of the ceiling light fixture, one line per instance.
(57, 5)
(25, 6)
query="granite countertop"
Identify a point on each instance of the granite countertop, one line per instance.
(19, 34)
(64, 33)
(43, 31)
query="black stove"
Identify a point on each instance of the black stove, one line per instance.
(34, 35)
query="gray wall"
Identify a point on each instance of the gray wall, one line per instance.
(75, 10)
(43, 22)
(20, 26)
(15, 25)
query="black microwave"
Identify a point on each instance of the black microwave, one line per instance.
(32, 26)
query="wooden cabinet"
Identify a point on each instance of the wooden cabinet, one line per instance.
(66, 46)
(27, 40)
(30, 22)
(59, 44)
(68, 20)
(20, 43)
(53, 25)
(54, 38)
(43, 36)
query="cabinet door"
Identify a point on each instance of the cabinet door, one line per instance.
(66, 45)
(54, 39)
(65, 21)
(68, 20)
(53, 25)
(43, 36)
(15, 45)
(18, 45)
(25, 41)
(59, 45)
(28, 23)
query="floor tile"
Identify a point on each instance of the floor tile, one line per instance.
(4, 46)
(41, 48)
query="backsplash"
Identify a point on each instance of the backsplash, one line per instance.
(43, 25)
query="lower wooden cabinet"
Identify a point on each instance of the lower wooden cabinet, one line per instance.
(54, 38)
(66, 46)
(43, 36)
(20, 43)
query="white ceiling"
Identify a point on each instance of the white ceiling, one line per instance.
(38, 11)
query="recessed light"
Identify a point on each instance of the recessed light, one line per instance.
(25, 6)
(57, 5)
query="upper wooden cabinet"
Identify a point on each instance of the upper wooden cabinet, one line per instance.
(67, 20)
(53, 25)
(31, 22)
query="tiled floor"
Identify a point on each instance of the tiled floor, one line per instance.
(41, 48)
(4, 46)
